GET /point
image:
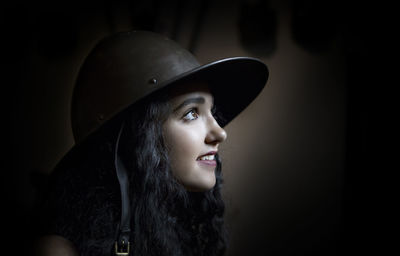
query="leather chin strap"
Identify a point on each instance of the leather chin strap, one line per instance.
(122, 245)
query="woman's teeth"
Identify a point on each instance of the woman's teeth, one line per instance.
(209, 157)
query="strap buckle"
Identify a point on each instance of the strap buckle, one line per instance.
(123, 249)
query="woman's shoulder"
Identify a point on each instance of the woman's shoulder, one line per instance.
(55, 245)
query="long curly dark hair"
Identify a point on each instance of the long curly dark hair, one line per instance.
(84, 197)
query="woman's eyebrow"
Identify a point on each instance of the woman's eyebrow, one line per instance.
(198, 100)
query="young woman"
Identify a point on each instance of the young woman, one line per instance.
(144, 177)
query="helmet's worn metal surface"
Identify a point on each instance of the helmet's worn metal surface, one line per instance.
(119, 71)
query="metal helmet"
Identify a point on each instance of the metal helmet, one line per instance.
(128, 66)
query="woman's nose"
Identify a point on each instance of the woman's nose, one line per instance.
(216, 134)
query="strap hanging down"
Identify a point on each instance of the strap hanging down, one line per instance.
(122, 244)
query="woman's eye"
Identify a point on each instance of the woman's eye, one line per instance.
(191, 115)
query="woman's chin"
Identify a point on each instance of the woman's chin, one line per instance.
(203, 186)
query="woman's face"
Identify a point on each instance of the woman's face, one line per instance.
(192, 136)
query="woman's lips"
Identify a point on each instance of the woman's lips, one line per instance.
(210, 154)
(208, 159)
(208, 162)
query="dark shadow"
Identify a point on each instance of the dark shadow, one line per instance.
(258, 28)
(314, 24)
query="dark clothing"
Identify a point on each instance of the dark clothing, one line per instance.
(83, 202)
